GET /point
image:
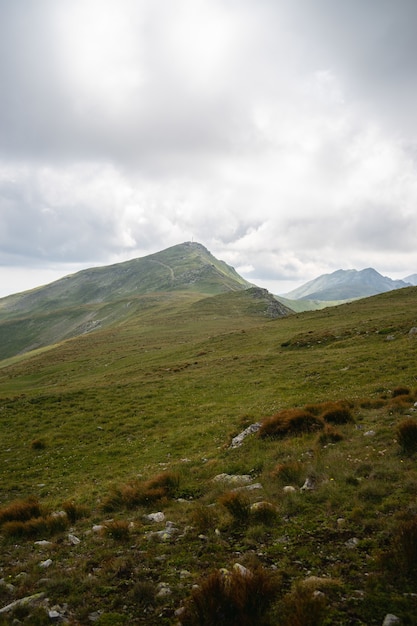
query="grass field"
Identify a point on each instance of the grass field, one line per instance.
(90, 425)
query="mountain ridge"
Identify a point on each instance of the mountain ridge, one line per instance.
(343, 285)
(103, 296)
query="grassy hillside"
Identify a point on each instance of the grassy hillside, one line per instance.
(138, 418)
(101, 296)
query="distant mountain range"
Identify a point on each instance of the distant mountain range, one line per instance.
(348, 285)
(104, 296)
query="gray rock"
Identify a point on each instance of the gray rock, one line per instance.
(163, 590)
(155, 517)
(234, 479)
(391, 620)
(250, 430)
(309, 484)
(28, 600)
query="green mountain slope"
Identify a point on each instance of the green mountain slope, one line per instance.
(137, 418)
(102, 296)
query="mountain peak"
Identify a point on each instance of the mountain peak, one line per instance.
(346, 285)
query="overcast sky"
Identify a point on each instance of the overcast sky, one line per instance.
(281, 134)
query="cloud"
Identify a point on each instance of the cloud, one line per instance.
(281, 135)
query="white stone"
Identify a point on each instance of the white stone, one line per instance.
(74, 541)
(97, 528)
(289, 489)
(391, 620)
(155, 517)
(238, 440)
(46, 563)
(242, 570)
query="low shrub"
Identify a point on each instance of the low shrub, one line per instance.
(290, 422)
(232, 598)
(407, 435)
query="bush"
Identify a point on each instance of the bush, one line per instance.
(407, 435)
(232, 598)
(290, 422)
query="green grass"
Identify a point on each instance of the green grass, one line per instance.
(165, 391)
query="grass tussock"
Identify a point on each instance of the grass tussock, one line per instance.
(20, 511)
(238, 505)
(290, 422)
(142, 493)
(289, 472)
(232, 598)
(37, 527)
(75, 511)
(407, 435)
(330, 434)
(400, 391)
(304, 607)
(118, 530)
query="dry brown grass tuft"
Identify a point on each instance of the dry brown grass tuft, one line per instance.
(238, 505)
(232, 598)
(290, 422)
(20, 510)
(407, 435)
(142, 493)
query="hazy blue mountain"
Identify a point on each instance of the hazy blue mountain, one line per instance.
(346, 285)
(412, 279)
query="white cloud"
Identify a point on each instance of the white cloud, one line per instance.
(280, 135)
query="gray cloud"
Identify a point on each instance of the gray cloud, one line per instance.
(281, 135)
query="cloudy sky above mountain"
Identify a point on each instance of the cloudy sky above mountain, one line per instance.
(281, 134)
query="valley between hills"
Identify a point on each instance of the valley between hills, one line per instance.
(124, 497)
